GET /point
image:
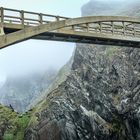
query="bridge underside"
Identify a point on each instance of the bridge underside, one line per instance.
(77, 37)
(87, 39)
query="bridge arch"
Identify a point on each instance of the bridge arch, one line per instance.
(116, 29)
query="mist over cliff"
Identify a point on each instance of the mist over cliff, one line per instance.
(111, 7)
(99, 99)
(20, 91)
(96, 96)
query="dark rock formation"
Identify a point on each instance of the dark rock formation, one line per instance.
(99, 100)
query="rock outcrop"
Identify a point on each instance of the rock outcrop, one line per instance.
(99, 100)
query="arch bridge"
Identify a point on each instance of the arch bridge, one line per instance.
(19, 25)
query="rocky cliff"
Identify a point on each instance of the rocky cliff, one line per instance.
(12, 124)
(100, 98)
(21, 91)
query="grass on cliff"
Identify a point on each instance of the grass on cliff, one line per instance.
(44, 102)
(15, 124)
(111, 51)
(17, 132)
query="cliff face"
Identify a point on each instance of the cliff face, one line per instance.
(99, 100)
(21, 91)
(12, 125)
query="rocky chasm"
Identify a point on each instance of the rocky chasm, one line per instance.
(98, 96)
(98, 101)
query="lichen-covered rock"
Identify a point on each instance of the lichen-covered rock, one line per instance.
(99, 100)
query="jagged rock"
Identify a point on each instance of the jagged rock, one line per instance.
(99, 100)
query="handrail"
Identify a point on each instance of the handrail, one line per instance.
(23, 16)
(111, 24)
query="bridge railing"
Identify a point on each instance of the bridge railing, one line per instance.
(122, 28)
(113, 27)
(26, 18)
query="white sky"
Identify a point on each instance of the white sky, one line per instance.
(36, 55)
(70, 8)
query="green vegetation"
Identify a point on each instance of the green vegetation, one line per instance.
(17, 132)
(13, 124)
(16, 124)
(111, 51)
(43, 102)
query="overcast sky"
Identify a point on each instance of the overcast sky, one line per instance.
(34, 55)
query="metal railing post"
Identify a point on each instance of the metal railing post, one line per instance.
(124, 31)
(73, 27)
(87, 25)
(2, 21)
(40, 18)
(22, 17)
(100, 26)
(134, 30)
(2, 14)
(112, 24)
(57, 18)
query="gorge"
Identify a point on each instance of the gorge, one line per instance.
(95, 96)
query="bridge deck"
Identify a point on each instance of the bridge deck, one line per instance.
(122, 31)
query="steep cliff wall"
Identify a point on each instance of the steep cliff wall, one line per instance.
(12, 124)
(99, 100)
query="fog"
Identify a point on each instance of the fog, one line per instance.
(109, 7)
(36, 55)
(33, 56)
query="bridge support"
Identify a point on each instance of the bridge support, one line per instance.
(1, 31)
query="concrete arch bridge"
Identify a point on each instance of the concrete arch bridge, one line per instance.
(19, 25)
